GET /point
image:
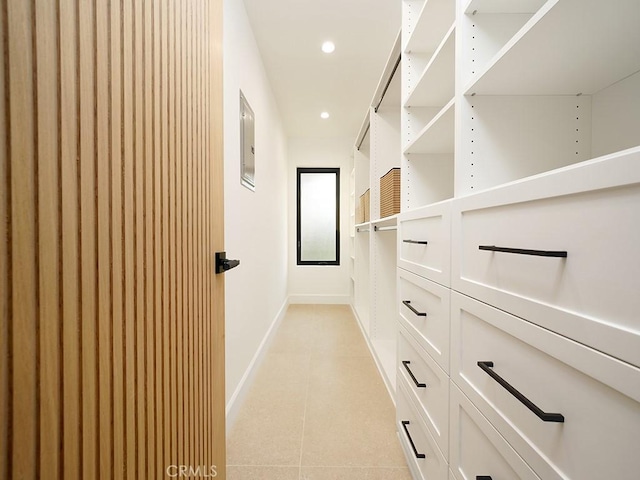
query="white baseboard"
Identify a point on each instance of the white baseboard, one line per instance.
(236, 400)
(320, 299)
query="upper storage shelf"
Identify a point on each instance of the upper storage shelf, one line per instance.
(564, 49)
(426, 23)
(435, 87)
(438, 135)
(503, 6)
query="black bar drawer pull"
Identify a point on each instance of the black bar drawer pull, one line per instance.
(520, 251)
(483, 477)
(413, 377)
(415, 450)
(547, 417)
(417, 242)
(408, 304)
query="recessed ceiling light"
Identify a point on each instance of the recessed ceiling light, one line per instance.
(324, 115)
(328, 47)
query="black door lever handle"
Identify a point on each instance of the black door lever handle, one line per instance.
(223, 263)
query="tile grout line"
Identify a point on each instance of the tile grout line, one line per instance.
(304, 415)
(312, 316)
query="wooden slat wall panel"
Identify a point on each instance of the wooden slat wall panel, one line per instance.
(111, 334)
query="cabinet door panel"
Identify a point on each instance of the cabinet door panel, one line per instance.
(424, 242)
(424, 311)
(591, 213)
(477, 449)
(598, 395)
(428, 386)
(423, 456)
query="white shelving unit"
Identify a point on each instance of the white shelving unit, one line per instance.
(428, 103)
(378, 149)
(542, 85)
(361, 270)
(533, 105)
(384, 313)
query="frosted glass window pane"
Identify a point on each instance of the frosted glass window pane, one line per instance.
(318, 216)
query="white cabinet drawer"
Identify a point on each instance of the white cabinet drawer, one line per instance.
(423, 456)
(477, 449)
(598, 395)
(591, 212)
(424, 242)
(427, 385)
(424, 311)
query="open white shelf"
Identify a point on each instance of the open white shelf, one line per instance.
(503, 6)
(428, 178)
(429, 22)
(435, 86)
(385, 351)
(438, 135)
(564, 50)
(390, 221)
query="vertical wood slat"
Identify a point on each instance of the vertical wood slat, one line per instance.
(5, 260)
(117, 298)
(103, 193)
(175, 427)
(149, 272)
(23, 234)
(88, 240)
(157, 247)
(198, 101)
(106, 252)
(193, 48)
(70, 245)
(168, 431)
(217, 231)
(128, 241)
(139, 240)
(179, 254)
(196, 228)
(186, 250)
(208, 244)
(49, 237)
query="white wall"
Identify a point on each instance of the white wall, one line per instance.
(255, 222)
(327, 283)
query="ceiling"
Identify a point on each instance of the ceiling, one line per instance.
(307, 81)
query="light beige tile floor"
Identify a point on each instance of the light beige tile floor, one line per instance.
(318, 409)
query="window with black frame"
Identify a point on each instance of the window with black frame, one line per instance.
(318, 212)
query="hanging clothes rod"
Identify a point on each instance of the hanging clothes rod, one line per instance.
(386, 87)
(359, 229)
(384, 229)
(363, 136)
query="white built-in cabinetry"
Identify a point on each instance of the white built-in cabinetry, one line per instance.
(377, 151)
(517, 259)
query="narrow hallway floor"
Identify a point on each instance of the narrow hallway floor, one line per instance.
(317, 409)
